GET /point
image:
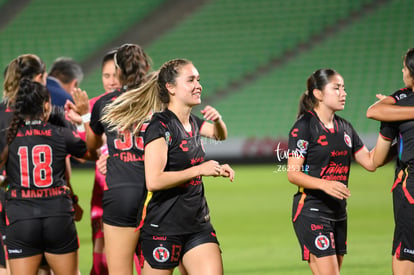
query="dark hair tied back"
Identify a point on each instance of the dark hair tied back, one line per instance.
(318, 80)
(409, 61)
(30, 99)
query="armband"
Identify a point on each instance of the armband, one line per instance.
(80, 127)
(86, 118)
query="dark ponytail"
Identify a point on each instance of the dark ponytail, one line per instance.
(409, 61)
(29, 103)
(318, 80)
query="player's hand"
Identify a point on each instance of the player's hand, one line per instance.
(380, 96)
(81, 101)
(227, 172)
(210, 168)
(72, 113)
(77, 216)
(336, 189)
(101, 163)
(209, 113)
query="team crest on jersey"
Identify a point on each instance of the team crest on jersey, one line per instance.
(348, 140)
(322, 242)
(168, 138)
(161, 254)
(302, 145)
(401, 96)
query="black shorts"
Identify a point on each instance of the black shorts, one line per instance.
(320, 236)
(123, 206)
(56, 235)
(403, 242)
(165, 252)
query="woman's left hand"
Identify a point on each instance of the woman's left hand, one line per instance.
(227, 172)
(210, 113)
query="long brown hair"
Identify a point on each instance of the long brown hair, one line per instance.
(24, 66)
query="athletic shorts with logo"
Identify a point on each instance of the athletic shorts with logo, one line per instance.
(165, 252)
(320, 236)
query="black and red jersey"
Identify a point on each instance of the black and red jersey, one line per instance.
(397, 96)
(125, 165)
(6, 115)
(182, 209)
(327, 154)
(403, 132)
(36, 170)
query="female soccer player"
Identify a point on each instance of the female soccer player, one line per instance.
(39, 208)
(399, 107)
(110, 83)
(125, 193)
(321, 147)
(28, 66)
(177, 223)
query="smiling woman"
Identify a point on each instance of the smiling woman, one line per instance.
(174, 166)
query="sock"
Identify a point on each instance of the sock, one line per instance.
(100, 267)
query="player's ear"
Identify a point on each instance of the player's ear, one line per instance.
(171, 88)
(318, 94)
(47, 108)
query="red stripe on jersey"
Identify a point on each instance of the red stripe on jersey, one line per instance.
(406, 192)
(398, 180)
(398, 251)
(384, 137)
(300, 206)
(305, 253)
(359, 150)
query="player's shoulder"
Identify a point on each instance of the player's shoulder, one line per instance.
(165, 117)
(109, 97)
(305, 119)
(343, 123)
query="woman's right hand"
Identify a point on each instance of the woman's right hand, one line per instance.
(210, 168)
(336, 189)
(81, 100)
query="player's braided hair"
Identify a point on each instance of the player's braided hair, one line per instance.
(318, 80)
(29, 104)
(168, 74)
(24, 66)
(134, 64)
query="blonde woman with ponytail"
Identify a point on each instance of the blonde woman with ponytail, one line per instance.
(131, 109)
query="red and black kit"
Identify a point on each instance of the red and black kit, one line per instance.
(403, 187)
(125, 189)
(177, 217)
(37, 194)
(327, 154)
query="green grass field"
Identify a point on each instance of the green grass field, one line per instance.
(253, 223)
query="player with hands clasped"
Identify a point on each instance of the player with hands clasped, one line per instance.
(321, 147)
